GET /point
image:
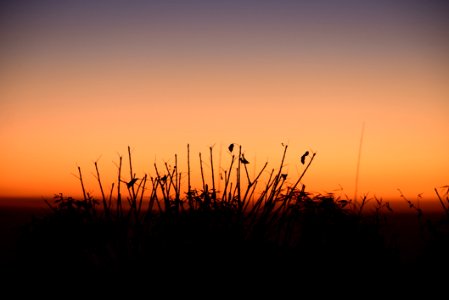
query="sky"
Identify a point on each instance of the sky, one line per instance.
(82, 80)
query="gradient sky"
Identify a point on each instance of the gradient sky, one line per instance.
(82, 80)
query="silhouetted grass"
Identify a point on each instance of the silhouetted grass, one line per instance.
(248, 231)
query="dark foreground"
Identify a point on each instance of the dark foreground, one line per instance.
(201, 245)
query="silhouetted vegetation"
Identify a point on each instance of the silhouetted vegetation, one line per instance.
(242, 229)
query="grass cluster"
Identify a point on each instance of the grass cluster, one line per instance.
(252, 226)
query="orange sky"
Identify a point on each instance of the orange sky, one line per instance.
(76, 86)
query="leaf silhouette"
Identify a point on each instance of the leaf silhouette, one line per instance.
(231, 147)
(131, 183)
(303, 157)
(243, 160)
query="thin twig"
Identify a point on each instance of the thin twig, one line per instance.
(105, 206)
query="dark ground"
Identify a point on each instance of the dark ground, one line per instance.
(419, 253)
(403, 229)
(12, 221)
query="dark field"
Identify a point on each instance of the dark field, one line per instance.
(13, 220)
(402, 243)
(150, 228)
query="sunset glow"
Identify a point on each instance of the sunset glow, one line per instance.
(79, 82)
